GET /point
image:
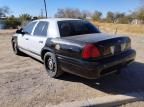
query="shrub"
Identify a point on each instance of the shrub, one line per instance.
(12, 22)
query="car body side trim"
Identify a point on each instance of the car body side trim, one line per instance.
(30, 51)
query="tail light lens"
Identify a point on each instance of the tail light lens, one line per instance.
(90, 51)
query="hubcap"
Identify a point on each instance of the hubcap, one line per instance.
(51, 64)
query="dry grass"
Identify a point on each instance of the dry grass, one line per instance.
(126, 29)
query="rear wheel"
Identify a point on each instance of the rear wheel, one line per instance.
(51, 65)
(118, 72)
(15, 48)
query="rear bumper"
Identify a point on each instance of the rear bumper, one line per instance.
(93, 70)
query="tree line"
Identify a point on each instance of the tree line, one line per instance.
(110, 17)
(12, 21)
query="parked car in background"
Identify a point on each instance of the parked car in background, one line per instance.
(74, 46)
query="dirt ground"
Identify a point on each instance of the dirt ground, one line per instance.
(135, 104)
(24, 82)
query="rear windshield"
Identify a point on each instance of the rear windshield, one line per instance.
(76, 27)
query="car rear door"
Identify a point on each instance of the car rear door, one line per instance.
(39, 37)
(24, 39)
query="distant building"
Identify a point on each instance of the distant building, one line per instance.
(137, 21)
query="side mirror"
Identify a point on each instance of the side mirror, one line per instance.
(20, 31)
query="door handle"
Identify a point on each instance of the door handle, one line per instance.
(26, 39)
(40, 41)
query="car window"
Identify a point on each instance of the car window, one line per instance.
(28, 28)
(66, 29)
(41, 29)
(76, 27)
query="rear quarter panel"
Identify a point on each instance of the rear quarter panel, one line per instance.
(64, 47)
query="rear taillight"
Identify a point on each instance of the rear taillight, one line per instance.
(90, 51)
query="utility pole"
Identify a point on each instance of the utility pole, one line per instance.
(45, 8)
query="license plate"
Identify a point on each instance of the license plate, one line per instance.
(115, 49)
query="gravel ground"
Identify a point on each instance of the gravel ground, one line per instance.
(24, 82)
(135, 104)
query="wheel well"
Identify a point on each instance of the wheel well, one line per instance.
(43, 53)
(12, 41)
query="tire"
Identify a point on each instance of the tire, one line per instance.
(118, 72)
(15, 48)
(51, 65)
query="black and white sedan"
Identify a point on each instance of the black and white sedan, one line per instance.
(73, 45)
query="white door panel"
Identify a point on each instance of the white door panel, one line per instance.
(23, 41)
(38, 40)
(36, 44)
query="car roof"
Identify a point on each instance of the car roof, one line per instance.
(57, 19)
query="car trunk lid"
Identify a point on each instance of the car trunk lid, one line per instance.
(108, 45)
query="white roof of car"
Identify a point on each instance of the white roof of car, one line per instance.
(57, 19)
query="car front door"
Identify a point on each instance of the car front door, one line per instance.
(39, 37)
(24, 39)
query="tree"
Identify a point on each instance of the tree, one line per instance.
(86, 14)
(68, 13)
(140, 14)
(60, 13)
(97, 16)
(119, 15)
(4, 11)
(24, 18)
(12, 22)
(110, 17)
(118, 18)
(129, 18)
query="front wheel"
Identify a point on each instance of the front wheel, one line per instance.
(118, 72)
(51, 65)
